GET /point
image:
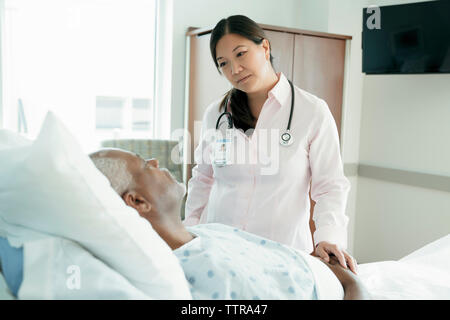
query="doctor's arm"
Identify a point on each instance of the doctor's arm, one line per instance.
(329, 189)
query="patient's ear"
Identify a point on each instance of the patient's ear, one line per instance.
(136, 201)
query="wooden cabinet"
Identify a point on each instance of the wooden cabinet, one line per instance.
(205, 85)
(282, 45)
(319, 69)
(314, 61)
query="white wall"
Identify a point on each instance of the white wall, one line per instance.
(406, 122)
(314, 15)
(393, 121)
(404, 125)
(343, 17)
(394, 220)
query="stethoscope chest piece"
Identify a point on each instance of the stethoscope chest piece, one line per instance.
(286, 138)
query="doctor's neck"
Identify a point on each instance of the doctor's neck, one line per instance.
(257, 99)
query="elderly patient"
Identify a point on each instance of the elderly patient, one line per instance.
(219, 262)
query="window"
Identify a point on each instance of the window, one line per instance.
(92, 62)
(141, 114)
(112, 113)
(109, 113)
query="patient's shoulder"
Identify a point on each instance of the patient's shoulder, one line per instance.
(210, 229)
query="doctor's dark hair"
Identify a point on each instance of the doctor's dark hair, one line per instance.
(247, 28)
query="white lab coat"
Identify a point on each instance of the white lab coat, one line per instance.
(271, 197)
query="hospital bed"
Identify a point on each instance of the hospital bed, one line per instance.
(423, 274)
(122, 253)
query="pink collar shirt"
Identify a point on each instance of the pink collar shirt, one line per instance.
(265, 188)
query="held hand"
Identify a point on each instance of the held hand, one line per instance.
(324, 249)
(354, 289)
(345, 276)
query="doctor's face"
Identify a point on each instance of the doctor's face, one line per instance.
(244, 63)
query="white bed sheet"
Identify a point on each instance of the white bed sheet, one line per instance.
(424, 274)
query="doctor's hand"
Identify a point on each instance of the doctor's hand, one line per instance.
(325, 249)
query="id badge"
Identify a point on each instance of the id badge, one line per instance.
(222, 149)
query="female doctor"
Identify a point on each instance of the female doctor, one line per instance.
(274, 204)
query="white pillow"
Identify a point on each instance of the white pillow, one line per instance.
(56, 268)
(14, 142)
(10, 139)
(51, 186)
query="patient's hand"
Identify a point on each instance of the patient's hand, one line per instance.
(345, 276)
(353, 287)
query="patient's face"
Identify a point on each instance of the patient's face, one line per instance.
(156, 185)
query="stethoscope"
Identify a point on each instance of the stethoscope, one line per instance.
(285, 138)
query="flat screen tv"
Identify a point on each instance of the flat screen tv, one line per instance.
(407, 39)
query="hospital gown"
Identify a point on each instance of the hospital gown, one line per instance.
(223, 262)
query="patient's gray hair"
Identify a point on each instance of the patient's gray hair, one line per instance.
(114, 169)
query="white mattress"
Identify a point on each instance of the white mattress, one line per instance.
(424, 274)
